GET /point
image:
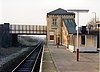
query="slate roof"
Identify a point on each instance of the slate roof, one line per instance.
(60, 11)
(71, 26)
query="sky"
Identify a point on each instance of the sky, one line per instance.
(34, 11)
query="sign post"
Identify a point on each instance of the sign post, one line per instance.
(77, 11)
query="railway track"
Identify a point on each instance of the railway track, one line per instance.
(32, 61)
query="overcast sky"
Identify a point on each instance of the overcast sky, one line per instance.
(34, 11)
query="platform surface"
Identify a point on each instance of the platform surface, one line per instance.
(65, 61)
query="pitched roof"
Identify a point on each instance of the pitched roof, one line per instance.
(71, 26)
(60, 11)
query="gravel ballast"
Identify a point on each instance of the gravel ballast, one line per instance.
(8, 62)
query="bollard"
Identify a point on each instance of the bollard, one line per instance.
(77, 54)
(57, 45)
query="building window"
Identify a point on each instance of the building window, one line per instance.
(54, 21)
(83, 40)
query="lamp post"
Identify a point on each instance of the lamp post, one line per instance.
(78, 11)
(94, 19)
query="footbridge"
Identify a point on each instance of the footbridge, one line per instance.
(9, 32)
(28, 29)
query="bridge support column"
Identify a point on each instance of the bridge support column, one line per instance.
(1, 33)
(14, 39)
(5, 38)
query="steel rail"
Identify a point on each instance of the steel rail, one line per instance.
(40, 70)
(37, 59)
(25, 58)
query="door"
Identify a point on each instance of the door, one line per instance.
(51, 37)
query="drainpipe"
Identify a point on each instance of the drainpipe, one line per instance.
(61, 29)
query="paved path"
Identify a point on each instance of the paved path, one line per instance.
(64, 60)
(48, 64)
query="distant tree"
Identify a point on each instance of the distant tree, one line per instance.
(91, 24)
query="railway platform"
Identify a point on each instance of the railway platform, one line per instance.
(62, 60)
(48, 64)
